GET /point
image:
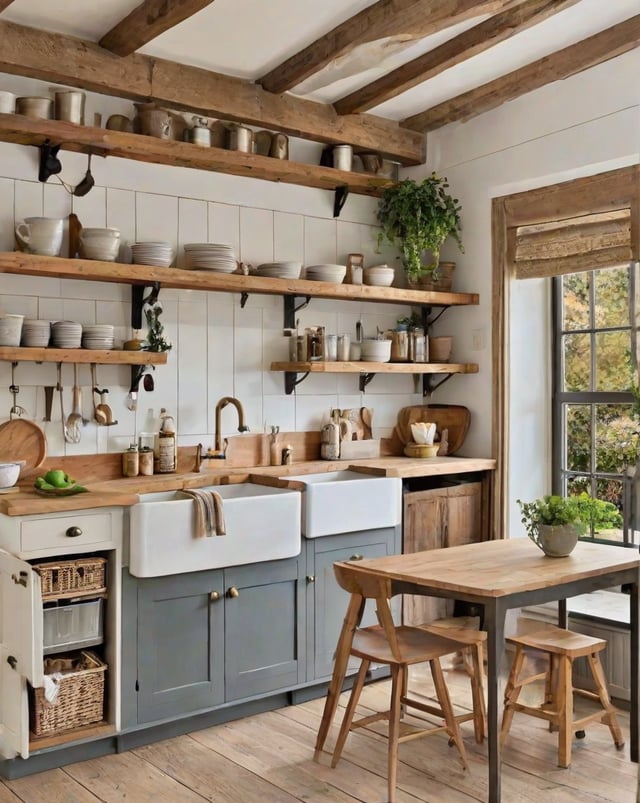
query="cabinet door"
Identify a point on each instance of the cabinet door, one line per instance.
(264, 628)
(20, 651)
(180, 644)
(330, 601)
(464, 523)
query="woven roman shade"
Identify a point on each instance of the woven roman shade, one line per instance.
(587, 242)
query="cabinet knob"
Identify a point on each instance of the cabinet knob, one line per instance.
(357, 557)
(311, 578)
(233, 592)
(13, 663)
(73, 532)
(214, 596)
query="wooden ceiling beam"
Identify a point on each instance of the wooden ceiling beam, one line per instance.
(146, 22)
(75, 62)
(475, 40)
(411, 19)
(562, 64)
(4, 4)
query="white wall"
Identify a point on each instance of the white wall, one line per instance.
(218, 348)
(582, 125)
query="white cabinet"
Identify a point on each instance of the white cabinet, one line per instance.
(39, 539)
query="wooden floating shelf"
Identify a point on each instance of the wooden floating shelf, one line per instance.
(95, 271)
(26, 131)
(339, 367)
(111, 357)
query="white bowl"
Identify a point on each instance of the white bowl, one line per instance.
(9, 473)
(375, 350)
(379, 276)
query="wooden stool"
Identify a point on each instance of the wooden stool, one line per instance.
(472, 654)
(399, 647)
(561, 647)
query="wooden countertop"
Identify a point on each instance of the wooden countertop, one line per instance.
(124, 491)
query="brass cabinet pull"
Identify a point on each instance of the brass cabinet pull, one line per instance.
(214, 596)
(357, 557)
(233, 592)
(311, 578)
(73, 532)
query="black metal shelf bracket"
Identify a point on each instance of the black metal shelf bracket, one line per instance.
(291, 379)
(429, 384)
(244, 297)
(339, 199)
(138, 300)
(291, 310)
(364, 380)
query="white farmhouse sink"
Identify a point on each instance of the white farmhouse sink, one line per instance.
(346, 501)
(262, 523)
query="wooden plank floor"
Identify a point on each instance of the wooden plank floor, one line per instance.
(268, 759)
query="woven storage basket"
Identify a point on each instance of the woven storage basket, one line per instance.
(78, 575)
(80, 699)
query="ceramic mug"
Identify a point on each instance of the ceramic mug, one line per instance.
(40, 235)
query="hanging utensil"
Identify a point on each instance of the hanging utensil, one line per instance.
(74, 420)
(48, 402)
(98, 413)
(65, 431)
(104, 407)
(16, 409)
(87, 182)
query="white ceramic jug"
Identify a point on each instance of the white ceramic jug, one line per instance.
(40, 235)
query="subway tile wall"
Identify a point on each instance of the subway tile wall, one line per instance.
(219, 348)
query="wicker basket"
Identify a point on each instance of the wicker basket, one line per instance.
(79, 575)
(80, 699)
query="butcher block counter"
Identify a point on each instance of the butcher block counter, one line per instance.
(124, 491)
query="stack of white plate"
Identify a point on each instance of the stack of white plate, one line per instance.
(66, 334)
(210, 256)
(97, 336)
(35, 334)
(280, 270)
(326, 273)
(160, 254)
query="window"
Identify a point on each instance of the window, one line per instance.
(595, 433)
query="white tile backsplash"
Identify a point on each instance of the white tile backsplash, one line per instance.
(219, 348)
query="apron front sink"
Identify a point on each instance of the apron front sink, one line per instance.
(262, 523)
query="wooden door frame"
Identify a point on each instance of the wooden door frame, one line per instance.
(602, 192)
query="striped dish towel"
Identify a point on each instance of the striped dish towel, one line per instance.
(209, 514)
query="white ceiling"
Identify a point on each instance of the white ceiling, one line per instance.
(248, 38)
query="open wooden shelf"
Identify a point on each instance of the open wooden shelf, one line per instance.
(98, 356)
(26, 131)
(95, 271)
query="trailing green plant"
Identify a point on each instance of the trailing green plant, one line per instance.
(155, 336)
(418, 217)
(587, 513)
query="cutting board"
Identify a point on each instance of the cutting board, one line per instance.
(21, 439)
(453, 417)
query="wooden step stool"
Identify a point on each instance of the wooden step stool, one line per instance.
(561, 648)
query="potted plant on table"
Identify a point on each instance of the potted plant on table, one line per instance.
(554, 523)
(418, 217)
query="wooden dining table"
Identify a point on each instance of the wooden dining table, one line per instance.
(500, 575)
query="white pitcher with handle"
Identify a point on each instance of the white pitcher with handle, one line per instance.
(40, 235)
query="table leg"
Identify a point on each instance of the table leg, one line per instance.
(494, 615)
(343, 648)
(563, 620)
(635, 647)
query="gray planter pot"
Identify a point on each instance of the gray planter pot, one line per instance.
(557, 541)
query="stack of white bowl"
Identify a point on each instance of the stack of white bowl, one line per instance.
(97, 336)
(379, 275)
(160, 254)
(35, 334)
(66, 335)
(374, 350)
(326, 273)
(217, 257)
(10, 329)
(280, 270)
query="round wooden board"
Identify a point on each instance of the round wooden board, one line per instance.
(21, 439)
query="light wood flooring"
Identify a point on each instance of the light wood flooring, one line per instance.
(268, 759)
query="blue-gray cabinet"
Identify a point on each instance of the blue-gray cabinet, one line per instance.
(326, 601)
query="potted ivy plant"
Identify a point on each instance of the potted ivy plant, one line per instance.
(554, 523)
(418, 217)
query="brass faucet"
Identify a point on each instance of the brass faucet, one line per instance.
(242, 427)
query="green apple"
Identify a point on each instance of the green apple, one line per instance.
(57, 478)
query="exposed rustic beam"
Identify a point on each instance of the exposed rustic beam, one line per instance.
(146, 22)
(411, 19)
(4, 4)
(75, 62)
(564, 63)
(496, 29)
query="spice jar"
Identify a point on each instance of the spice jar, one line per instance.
(130, 463)
(145, 461)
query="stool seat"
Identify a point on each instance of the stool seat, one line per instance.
(560, 647)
